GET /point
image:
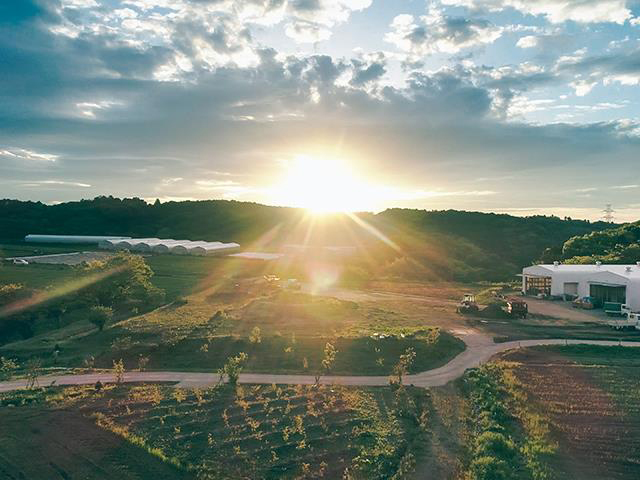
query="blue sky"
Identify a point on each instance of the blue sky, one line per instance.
(518, 106)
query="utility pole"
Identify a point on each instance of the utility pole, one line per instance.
(608, 213)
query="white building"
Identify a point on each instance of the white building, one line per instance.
(607, 283)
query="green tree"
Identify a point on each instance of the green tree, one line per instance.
(118, 369)
(328, 360)
(122, 281)
(99, 315)
(233, 367)
(255, 336)
(404, 364)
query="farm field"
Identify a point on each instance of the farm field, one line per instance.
(515, 329)
(69, 446)
(38, 276)
(590, 396)
(228, 432)
(280, 331)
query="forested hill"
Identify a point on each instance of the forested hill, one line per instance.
(616, 245)
(453, 244)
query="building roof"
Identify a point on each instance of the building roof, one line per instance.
(629, 270)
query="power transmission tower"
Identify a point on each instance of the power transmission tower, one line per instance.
(608, 213)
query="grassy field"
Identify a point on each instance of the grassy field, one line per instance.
(226, 432)
(37, 276)
(176, 274)
(200, 334)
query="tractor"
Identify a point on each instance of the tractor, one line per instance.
(467, 304)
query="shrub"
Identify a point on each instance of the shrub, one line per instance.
(99, 315)
(489, 468)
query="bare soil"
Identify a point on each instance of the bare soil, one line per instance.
(598, 438)
(62, 444)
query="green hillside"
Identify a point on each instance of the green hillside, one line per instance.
(457, 245)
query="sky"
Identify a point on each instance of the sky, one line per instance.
(515, 106)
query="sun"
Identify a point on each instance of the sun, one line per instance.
(324, 185)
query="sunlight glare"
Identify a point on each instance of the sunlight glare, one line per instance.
(324, 185)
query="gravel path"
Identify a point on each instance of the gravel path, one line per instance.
(480, 348)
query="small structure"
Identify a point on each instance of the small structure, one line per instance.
(602, 283)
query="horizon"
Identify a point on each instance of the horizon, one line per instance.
(525, 108)
(151, 201)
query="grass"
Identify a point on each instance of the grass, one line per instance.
(37, 276)
(509, 438)
(252, 431)
(200, 334)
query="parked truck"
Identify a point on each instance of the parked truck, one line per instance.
(628, 319)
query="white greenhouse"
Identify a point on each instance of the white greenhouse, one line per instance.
(176, 247)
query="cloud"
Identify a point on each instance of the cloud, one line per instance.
(616, 67)
(439, 33)
(56, 183)
(311, 21)
(557, 11)
(626, 187)
(153, 108)
(24, 154)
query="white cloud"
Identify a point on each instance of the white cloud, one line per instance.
(583, 87)
(311, 21)
(557, 11)
(529, 41)
(626, 187)
(436, 32)
(40, 183)
(24, 154)
(89, 109)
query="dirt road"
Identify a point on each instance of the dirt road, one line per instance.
(480, 348)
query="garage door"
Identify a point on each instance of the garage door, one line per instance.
(609, 293)
(571, 288)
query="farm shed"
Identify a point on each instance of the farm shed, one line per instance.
(79, 239)
(607, 283)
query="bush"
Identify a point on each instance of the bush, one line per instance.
(100, 315)
(489, 468)
(494, 444)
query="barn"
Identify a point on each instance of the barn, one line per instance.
(605, 283)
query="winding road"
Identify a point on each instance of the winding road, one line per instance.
(480, 348)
